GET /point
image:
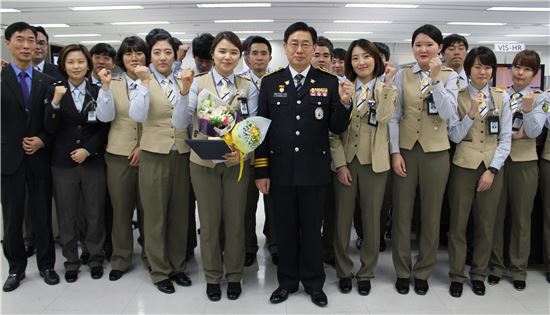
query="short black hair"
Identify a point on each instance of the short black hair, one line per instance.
(452, 39)
(163, 37)
(230, 37)
(371, 49)
(18, 27)
(130, 44)
(486, 57)
(177, 41)
(383, 49)
(202, 46)
(339, 53)
(246, 44)
(103, 49)
(325, 42)
(429, 30)
(40, 29)
(259, 40)
(152, 33)
(300, 26)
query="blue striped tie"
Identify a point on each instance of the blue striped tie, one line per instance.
(298, 79)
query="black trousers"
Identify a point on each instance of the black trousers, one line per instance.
(14, 189)
(298, 212)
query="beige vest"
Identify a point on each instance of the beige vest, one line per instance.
(159, 134)
(525, 149)
(369, 144)
(417, 125)
(125, 133)
(478, 145)
(206, 81)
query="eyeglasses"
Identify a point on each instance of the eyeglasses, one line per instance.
(303, 45)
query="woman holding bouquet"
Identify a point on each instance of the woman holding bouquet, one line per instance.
(362, 160)
(163, 167)
(221, 198)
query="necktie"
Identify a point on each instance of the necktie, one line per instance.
(298, 78)
(25, 91)
(514, 102)
(483, 110)
(224, 91)
(425, 83)
(362, 96)
(77, 100)
(169, 91)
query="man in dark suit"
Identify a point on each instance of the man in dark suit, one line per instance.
(293, 163)
(25, 158)
(40, 60)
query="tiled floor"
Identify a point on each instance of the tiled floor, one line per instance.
(135, 294)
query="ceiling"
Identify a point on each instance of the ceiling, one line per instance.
(184, 16)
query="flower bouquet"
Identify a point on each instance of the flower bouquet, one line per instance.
(216, 118)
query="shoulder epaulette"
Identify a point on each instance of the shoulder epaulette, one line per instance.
(274, 71)
(327, 71)
(117, 77)
(537, 91)
(244, 76)
(498, 90)
(200, 74)
(446, 69)
(548, 91)
(409, 66)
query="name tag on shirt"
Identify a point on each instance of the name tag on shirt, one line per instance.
(243, 102)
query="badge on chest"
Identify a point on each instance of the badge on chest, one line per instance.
(318, 92)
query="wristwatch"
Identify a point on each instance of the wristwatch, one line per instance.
(493, 170)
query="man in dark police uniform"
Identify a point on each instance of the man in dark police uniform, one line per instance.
(293, 163)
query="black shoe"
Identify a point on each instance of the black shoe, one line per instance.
(280, 295)
(165, 286)
(50, 276)
(181, 279)
(421, 286)
(71, 275)
(382, 246)
(233, 290)
(275, 259)
(456, 289)
(319, 298)
(519, 285)
(478, 287)
(213, 292)
(492, 280)
(249, 259)
(13, 281)
(84, 257)
(363, 287)
(96, 272)
(114, 275)
(548, 277)
(402, 285)
(358, 242)
(345, 285)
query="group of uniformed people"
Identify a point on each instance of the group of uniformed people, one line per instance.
(334, 143)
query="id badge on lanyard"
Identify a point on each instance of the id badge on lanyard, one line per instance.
(493, 124)
(432, 109)
(243, 103)
(372, 113)
(517, 121)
